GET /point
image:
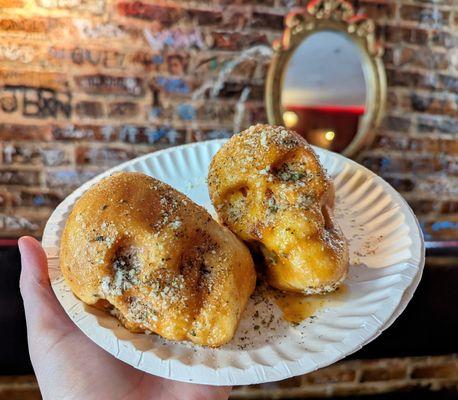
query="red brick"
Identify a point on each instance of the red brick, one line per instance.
(435, 371)
(234, 90)
(233, 41)
(25, 132)
(379, 12)
(449, 83)
(449, 207)
(388, 56)
(120, 110)
(383, 374)
(256, 113)
(330, 375)
(437, 124)
(102, 155)
(267, 21)
(34, 79)
(89, 109)
(244, 70)
(199, 134)
(204, 17)
(77, 132)
(397, 35)
(438, 228)
(216, 111)
(449, 146)
(406, 143)
(14, 177)
(422, 206)
(108, 84)
(401, 184)
(444, 39)
(20, 394)
(3, 199)
(69, 178)
(11, 3)
(40, 198)
(245, 2)
(145, 60)
(290, 383)
(451, 167)
(150, 12)
(424, 58)
(425, 15)
(399, 124)
(236, 18)
(432, 105)
(18, 224)
(34, 154)
(29, 25)
(409, 79)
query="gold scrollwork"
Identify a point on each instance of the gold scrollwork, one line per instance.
(340, 16)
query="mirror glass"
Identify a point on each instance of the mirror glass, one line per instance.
(323, 93)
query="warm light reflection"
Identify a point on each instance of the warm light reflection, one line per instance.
(329, 136)
(290, 119)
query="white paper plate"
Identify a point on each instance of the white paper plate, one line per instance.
(387, 259)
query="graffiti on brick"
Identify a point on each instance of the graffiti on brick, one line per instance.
(29, 25)
(103, 155)
(176, 38)
(72, 132)
(68, 178)
(91, 57)
(33, 154)
(100, 30)
(107, 84)
(13, 223)
(186, 112)
(172, 85)
(16, 52)
(92, 6)
(105, 58)
(36, 102)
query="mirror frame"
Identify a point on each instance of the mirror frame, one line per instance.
(337, 16)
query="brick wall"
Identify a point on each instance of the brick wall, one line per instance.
(87, 84)
(435, 374)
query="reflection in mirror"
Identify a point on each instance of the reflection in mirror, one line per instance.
(323, 94)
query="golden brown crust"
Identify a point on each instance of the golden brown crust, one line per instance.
(158, 259)
(268, 187)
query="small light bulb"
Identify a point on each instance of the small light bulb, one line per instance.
(329, 136)
(290, 119)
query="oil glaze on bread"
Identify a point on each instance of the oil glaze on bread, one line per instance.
(268, 187)
(136, 246)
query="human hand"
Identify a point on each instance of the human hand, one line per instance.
(68, 365)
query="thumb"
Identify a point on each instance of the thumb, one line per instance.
(34, 281)
(40, 304)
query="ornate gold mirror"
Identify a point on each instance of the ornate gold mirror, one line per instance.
(326, 80)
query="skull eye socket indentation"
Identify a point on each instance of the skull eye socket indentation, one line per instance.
(294, 166)
(235, 202)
